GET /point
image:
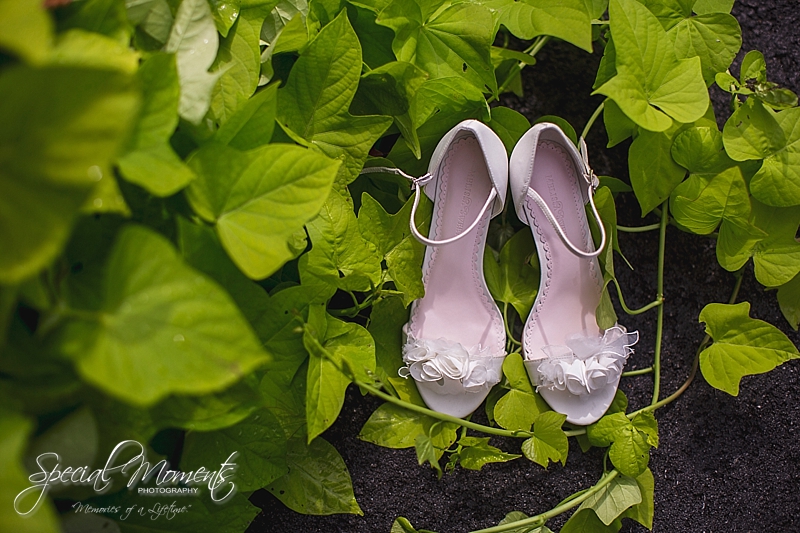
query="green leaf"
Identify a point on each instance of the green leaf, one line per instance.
(260, 447)
(516, 516)
(743, 346)
(630, 452)
(404, 263)
(60, 128)
(613, 499)
(80, 48)
(157, 315)
(107, 17)
(14, 431)
(789, 300)
(279, 328)
(643, 512)
(736, 243)
(385, 230)
(426, 452)
(653, 172)
(154, 17)
(778, 181)
(586, 521)
(700, 149)
(376, 40)
(285, 398)
(253, 122)
(519, 408)
(150, 161)
(314, 104)
(549, 442)
(646, 423)
(618, 126)
(753, 67)
(340, 256)
(752, 132)
(702, 7)
(74, 438)
(238, 64)
(389, 90)
(477, 452)
(608, 65)
(701, 202)
(438, 105)
(514, 277)
(713, 37)
(509, 125)
(606, 317)
(318, 482)
(259, 199)
(453, 41)
(210, 412)
(281, 14)
(570, 20)
(776, 257)
(669, 12)
(225, 14)
(394, 427)
(402, 525)
(202, 250)
(386, 322)
(194, 41)
(630, 445)
(344, 346)
(652, 86)
(26, 29)
(8, 303)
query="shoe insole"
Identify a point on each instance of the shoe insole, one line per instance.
(571, 286)
(457, 305)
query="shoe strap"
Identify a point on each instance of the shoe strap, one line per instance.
(592, 181)
(416, 185)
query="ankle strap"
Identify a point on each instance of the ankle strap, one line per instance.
(592, 181)
(416, 185)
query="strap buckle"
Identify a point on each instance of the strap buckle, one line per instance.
(416, 182)
(588, 174)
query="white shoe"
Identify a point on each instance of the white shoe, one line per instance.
(455, 338)
(575, 366)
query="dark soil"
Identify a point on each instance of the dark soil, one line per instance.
(725, 464)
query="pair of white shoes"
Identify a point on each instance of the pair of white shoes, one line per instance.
(455, 337)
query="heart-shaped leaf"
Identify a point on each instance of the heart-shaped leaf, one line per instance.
(742, 346)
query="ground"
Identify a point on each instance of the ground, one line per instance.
(724, 465)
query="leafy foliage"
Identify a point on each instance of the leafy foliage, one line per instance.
(189, 245)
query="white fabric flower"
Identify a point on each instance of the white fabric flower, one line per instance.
(450, 364)
(586, 364)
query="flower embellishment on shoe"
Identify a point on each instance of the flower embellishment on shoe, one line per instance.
(449, 364)
(586, 364)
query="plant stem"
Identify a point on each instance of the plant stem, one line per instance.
(638, 229)
(534, 49)
(594, 116)
(538, 45)
(662, 242)
(506, 323)
(640, 372)
(540, 519)
(703, 344)
(654, 303)
(441, 416)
